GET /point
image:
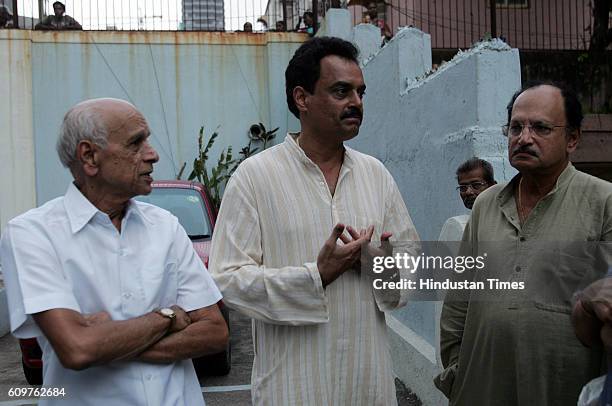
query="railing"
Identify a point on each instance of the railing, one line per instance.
(166, 15)
(526, 24)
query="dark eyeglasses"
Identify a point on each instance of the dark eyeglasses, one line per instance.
(477, 186)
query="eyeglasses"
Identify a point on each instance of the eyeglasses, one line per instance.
(476, 186)
(539, 129)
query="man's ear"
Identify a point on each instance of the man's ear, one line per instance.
(87, 156)
(299, 97)
(573, 137)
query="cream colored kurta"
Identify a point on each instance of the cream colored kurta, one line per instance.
(313, 346)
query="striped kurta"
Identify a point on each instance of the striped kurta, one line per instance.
(313, 346)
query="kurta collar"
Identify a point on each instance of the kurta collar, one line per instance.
(298, 152)
(507, 192)
(80, 210)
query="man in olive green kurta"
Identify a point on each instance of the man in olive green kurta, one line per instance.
(521, 349)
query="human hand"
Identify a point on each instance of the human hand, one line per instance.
(596, 300)
(96, 318)
(335, 259)
(181, 319)
(366, 260)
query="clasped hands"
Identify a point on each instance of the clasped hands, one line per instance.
(336, 258)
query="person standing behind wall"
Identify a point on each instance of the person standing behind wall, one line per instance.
(474, 177)
(59, 20)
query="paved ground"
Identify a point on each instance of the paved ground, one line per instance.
(232, 389)
(11, 374)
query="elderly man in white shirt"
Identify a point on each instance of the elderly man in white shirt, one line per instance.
(287, 245)
(111, 287)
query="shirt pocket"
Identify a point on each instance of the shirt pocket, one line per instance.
(161, 284)
(555, 285)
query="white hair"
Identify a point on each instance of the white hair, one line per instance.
(79, 124)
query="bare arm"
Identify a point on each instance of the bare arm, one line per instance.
(207, 334)
(45, 24)
(80, 343)
(73, 24)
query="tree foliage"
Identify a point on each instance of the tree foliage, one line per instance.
(216, 178)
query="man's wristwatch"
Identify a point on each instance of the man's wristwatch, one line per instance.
(167, 312)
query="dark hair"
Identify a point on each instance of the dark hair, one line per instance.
(304, 68)
(572, 106)
(475, 163)
(309, 14)
(61, 4)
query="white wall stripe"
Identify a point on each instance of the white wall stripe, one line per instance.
(19, 402)
(217, 389)
(408, 335)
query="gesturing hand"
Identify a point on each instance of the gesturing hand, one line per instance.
(335, 259)
(369, 251)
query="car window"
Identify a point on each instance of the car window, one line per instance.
(187, 205)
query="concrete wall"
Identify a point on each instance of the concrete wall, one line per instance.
(17, 185)
(179, 80)
(422, 125)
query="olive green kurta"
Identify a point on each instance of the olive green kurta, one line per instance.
(521, 349)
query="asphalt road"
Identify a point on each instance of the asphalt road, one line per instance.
(233, 389)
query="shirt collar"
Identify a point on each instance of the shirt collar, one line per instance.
(80, 210)
(508, 191)
(298, 152)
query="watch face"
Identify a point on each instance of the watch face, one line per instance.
(167, 312)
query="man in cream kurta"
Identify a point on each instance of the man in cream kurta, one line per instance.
(318, 340)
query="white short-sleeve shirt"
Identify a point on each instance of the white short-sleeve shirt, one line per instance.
(68, 254)
(452, 230)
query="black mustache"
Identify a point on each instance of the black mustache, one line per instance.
(352, 113)
(524, 150)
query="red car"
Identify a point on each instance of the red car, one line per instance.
(189, 202)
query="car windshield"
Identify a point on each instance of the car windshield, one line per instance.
(187, 205)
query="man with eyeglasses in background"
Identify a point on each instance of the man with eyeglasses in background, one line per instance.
(474, 176)
(520, 349)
